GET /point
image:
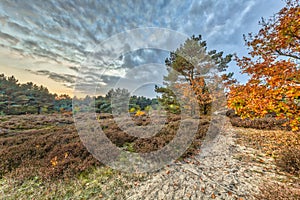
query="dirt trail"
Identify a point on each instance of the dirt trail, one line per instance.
(215, 173)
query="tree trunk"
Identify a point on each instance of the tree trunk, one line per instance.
(39, 109)
(205, 109)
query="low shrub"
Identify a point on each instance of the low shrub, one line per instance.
(52, 150)
(48, 146)
(289, 160)
(267, 123)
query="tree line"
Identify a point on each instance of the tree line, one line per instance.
(29, 98)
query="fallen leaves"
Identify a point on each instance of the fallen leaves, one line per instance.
(271, 142)
(213, 196)
(203, 190)
(54, 161)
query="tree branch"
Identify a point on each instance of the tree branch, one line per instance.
(288, 55)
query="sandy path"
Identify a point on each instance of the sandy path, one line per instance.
(215, 173)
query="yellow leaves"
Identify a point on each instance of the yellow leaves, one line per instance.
(290, 93)
(264, 112)
(140, 113)
(54, 161)
(295, 124)
(132, 110)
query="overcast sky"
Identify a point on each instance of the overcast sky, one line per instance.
(47, 41)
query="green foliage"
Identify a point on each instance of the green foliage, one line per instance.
(63, 103)
(18, 98)
(168, 98)
(148, 109)
(140, 102)
(175, 109)
(117, 99)
(95, 183)
(29, 98)
(129, 147)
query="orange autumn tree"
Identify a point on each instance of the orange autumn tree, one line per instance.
(274, 70)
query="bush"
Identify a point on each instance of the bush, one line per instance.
(269, 123)
(289, 160)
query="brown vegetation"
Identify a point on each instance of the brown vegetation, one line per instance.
(266, 123)
(48, 146)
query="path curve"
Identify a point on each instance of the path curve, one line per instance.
(214, 173)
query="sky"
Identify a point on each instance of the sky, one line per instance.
(52, 42)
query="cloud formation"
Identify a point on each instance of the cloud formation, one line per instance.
(69, 31)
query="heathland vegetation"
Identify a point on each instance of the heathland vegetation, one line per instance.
(41, 153)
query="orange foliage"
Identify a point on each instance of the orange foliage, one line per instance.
(274, 85)
(140, 113)
(196, 88)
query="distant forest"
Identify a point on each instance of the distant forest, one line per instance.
(29, 98)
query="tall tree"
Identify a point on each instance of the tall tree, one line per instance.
(41, 98)
(273, 67)
(191, 66)
(9, 89)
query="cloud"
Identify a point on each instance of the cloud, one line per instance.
(74, 68)
(70, 31)
(18, 28)
(64, 78)
(8, 38)
(143, 56)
